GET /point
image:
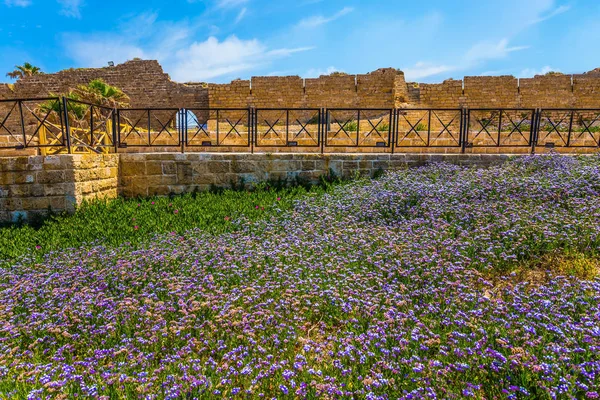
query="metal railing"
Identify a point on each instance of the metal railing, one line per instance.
(486, 127)
(216, 127)
(359, 127)
(290, 127)
(568, 127)
(149, 127)
(427, 127)
(68, 125)
(23, 121)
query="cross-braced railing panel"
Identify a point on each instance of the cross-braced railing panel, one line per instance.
(156, 127)
(569, 128)
(429, 127)
(221, 127)
(362, 127)
(412, 128)
(291, 127)
(341, 128)
(585, 130)
(500, 127)
(554, 128)
(11, 129)
(27, 123)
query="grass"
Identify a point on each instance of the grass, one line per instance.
(133, 221)
(351, 126)
(383, 127)
(421, 127)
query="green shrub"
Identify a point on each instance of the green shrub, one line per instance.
(421, 127)
(383, 127)
(351, 126)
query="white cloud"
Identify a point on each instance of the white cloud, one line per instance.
(478, 54)
(17, 3)
(316, 72)
(240, 15)
(230, 3)
(423, 70)
(489, 50)
(495, 72)
(71, 8)
(96, 51)
(285, 52)
(172, 45)
(222, 3)
(213, 58)
(553, 13)
(317, 20)
(531, 72)
(280, 73)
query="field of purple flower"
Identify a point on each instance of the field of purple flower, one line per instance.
(395, 288)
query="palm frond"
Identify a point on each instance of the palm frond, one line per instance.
(21, 71)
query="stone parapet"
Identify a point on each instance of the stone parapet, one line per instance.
(34, 185)
(31, 185)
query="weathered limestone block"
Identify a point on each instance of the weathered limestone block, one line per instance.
(133, 168)
(218, 167)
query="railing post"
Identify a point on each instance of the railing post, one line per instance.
(499, 128)
(182, 128)
(358, 129)
(22, 123)
(323, 122)
(429, 128)
(287, 128)
(570, 128)
(535, 128)
(252, 128)
(464, 128)
(67, 126)
(393, 118)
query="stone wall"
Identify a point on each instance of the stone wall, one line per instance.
(144, 81)
(35, 184)
(6, 91)
(373, 90)
(547, 91)
(149, 86)
(161, 174)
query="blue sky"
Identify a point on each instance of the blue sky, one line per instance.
(220, 40)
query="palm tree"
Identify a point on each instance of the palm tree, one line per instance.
(21, 71)
(96, 92)
(53, 107)
(101, 93)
